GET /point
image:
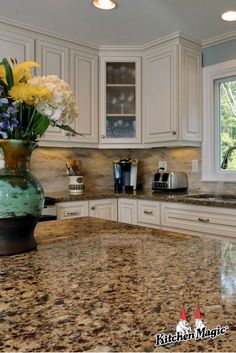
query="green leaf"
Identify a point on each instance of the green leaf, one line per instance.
(68, 128)
(40, 125)
(9, 75)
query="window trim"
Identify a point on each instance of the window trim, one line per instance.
(210, 146)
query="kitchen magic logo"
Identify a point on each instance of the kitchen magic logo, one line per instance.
(185, 333)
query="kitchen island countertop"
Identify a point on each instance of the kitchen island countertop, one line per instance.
(96, 285)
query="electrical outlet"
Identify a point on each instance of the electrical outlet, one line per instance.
(194, 166)
(163, 164)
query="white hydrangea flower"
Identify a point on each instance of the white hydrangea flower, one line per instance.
(62, 107)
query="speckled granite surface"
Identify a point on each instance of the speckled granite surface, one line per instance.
(215, 200)
(96, 285)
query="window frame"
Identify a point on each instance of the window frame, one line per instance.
(211, 170)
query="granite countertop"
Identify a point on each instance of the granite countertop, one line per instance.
(96, 285)
(188, 197)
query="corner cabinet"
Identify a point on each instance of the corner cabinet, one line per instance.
(120, 101)
(172, 101)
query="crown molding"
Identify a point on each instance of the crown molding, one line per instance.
(38, 30)
(149, 45)
(218, 39)
(131, 48)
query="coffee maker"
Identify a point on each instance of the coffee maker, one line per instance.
(125, 174)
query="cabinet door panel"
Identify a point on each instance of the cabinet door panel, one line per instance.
(127, 211)
(54, 60)
(105, 209)
(84, 80)
(16, 45)
(120, 101)
(159, 98)
(191, 95)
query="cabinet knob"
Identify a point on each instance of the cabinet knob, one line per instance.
(103, 136)
(68, 134)
(93, 208)
(173, 132)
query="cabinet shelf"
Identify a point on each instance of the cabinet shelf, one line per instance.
(121, 115)
(120, 85)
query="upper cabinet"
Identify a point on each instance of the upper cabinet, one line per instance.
(54, 60)
(172, 94)
(80, 69)
(120, 101)
(128, 97)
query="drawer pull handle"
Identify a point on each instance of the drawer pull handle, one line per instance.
(71, 213)
(148, 212)
(204, 220)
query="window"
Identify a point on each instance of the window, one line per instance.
(219, 122)
(225, 115)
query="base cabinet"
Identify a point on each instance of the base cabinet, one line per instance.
(177, 217)
(198, 219)
(105, 209)
(127, 211)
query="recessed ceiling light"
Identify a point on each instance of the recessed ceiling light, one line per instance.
(229, 16)
(104, 4)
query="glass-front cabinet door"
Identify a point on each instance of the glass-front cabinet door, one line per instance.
(120, 101)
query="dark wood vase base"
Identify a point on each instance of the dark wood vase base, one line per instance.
(17, 235)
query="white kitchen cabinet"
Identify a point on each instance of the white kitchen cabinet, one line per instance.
(84, 82)
(128, 211)
(172, 111)
(72, 209)
(149, 213)
(120, 101)
(196, 219)
(105, 209)
(18, 44)
(53, 57)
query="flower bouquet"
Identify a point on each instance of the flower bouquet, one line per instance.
(29, 105)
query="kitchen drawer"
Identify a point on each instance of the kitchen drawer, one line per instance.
(195, 219)
(73, 209)
(149, 213)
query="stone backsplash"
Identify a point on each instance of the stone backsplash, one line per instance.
(49, 166)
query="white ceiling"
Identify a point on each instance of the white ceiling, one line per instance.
(134, 22)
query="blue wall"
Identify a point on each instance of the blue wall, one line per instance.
(219, 52)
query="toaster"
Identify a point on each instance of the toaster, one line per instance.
(169, 181)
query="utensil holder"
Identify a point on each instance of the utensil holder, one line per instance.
(76, 184)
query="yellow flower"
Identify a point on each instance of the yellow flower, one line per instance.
(22, 70)
(26, 93)
(19, 72)
(2, 73)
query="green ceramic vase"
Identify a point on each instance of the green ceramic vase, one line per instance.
(21, 197)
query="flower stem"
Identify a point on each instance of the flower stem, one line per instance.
(30, 122)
